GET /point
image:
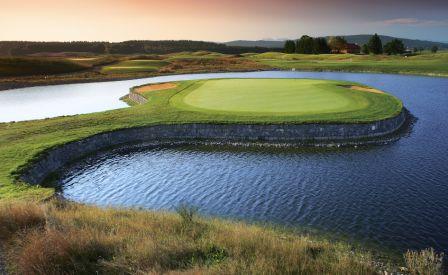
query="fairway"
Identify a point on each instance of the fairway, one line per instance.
(287, 97)
(130, 66)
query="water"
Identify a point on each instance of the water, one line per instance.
(71, 99)
(394, 195)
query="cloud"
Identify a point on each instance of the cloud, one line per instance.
(414, 22)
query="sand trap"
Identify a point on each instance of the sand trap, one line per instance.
(155, 87)
(364, 89)
(83, 58)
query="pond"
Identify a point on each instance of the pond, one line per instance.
(393, 195)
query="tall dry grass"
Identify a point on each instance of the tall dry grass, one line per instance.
(67, 238)
(426, 262)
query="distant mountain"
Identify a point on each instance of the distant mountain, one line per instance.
(410, 43)
(358, 39)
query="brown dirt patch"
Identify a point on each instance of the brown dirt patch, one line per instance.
(221, 64)
(155, 87)
(363, 89)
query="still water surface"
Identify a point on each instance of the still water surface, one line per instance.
(394, 195)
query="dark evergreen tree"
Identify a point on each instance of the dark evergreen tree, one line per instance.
(320, 46)
(365, 49)
(290, 46)
(305, 45)
(395, 46)
(375, 44)
(434, 49)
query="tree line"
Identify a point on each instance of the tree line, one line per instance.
(20, 48)
(336, 44)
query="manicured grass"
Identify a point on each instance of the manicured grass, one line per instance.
(306, 100)
(135, 66)
(22, 142)
(195, 55)
(424, 64)
(65, 238)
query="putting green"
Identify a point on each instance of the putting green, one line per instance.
(287, 97)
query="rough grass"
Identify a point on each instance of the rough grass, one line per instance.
(424, 262)
(424, 64)
(22, 142)
(66, 238)
(25, 66)
(74, 239)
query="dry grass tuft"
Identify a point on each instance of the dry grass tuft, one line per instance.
(67, 238)
(426, 262)
(19, 216)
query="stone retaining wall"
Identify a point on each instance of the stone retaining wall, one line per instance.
(55, 158)
(136, 97)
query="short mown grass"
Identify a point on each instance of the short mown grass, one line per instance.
(302, 100)
(130, 66)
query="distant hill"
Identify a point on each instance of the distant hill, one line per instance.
(22, 48)
(358, 39)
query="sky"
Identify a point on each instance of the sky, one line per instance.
(218, 20)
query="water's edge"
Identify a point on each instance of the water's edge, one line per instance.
(55, 158)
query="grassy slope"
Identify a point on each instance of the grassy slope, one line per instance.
(424, 64)
(63, 238)
(37, 66)
(307, 100)
(67, 238)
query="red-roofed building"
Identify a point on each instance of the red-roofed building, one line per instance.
(351, 48)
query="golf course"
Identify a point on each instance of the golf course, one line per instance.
(182, 107)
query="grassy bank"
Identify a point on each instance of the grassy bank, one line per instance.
(65, 238)
(421, 64)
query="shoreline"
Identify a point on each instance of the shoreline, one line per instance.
(331, 135)
(6, 84)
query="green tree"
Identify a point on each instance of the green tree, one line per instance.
(395, 46)
(305, 45)
(321, 46)
(375, 44)
(290, 46)
(365, 49)
(421, 49)
(337, 43)
(415, 50)
(434, 49)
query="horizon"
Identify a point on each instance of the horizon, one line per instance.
(222, 42)
(117, 20)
